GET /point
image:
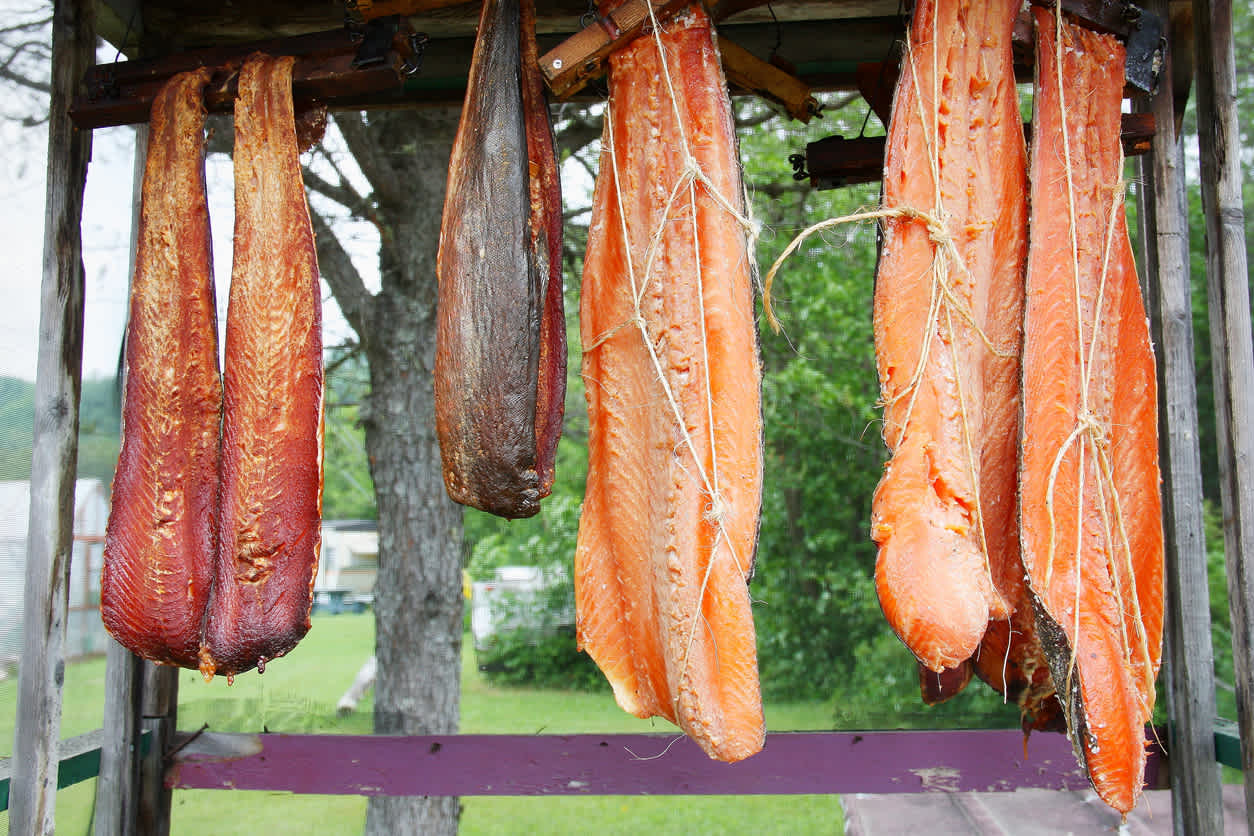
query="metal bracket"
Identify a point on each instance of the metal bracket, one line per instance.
(1147, 48)
(376, 41)
(1140, 30)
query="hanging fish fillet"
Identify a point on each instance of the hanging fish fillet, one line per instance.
(1091, 518)
(669, 525)
(545, 191)
(162, 528)
(500, 366)
(271, 473)
(947, 318)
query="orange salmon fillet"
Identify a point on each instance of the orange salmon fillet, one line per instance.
(271, 474)
(670, 518)
(947, 320)
(162, 528)
(1091, 510)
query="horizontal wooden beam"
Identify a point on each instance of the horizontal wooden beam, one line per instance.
(834, 161)
(589, 764)
(328, 72)
(79, 759)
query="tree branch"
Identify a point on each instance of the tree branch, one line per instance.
(337, 268)
(371, 158)
(342, 193)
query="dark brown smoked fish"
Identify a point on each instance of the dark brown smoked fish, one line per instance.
(271, 474)
(162, 528)
(500, 336)
(546, 247)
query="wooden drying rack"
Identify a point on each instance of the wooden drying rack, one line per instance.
(240, 760)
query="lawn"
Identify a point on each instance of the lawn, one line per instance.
(299, 693)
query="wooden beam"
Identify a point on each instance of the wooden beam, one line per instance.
(1188, 658)
(78, 758)
(160, 714)
(58, 382)
(1228, 296)
(117, 791)
(836, 161)
(325, 73)
(641, 764)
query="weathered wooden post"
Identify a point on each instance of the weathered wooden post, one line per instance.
(1189, 658)
(1228, 298)
(117, 788)
(55, 443)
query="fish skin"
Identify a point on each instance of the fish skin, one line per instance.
(271, 472)
(1108, 695)
(491, 295)
(662, 602)
(162, 528)
(545, 192)
(937, 582)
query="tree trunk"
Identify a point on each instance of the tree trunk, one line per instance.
(418, 599)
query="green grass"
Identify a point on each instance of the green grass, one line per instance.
(298, 694)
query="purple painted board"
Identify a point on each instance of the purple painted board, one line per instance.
(590, 764)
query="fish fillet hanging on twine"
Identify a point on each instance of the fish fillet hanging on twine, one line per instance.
(1091, 508)
(669, 526)
(948, 313)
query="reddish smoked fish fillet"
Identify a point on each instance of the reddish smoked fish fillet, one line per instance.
(500, 363)
(1091, 512)
(162, 528)
(948, 307)
(670, 518)
(271, 473)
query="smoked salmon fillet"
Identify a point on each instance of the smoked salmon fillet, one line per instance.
(947, 322)
(1091, 509)
(162, 529)
(500, 363)
(669, 526)
(271, 473)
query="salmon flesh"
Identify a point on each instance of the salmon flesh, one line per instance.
(669, 526)
(1091, 509)
(271, 473)
(162, 529)
(947, 320)
(500, 363)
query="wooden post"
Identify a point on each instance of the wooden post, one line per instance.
(1196, 802)
(1229, 301)
(117, 790)
(55, 443)
(160, 710)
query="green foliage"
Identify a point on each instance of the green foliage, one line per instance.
(99, 425)
(814, 587)
(348, 490)
(541, 660)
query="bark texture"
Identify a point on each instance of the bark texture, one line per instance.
(418, 606)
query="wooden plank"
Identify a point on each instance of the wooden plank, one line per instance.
(834, 161)
(1228, 296)
(1196, 804)
(160, 713)
(79, 759)
(653, 764)
(58, 383)
(117, 791)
